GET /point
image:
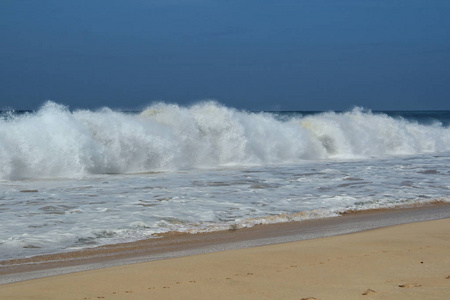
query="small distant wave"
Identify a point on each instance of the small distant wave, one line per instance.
(55, 142)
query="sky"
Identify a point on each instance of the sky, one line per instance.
(251, 55)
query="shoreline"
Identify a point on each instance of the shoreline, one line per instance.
(407, 261)
(185, 244)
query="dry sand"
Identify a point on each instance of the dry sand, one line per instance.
(410, 261)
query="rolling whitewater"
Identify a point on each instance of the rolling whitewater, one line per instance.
(76, 179)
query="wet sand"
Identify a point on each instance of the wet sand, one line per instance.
(410, 261)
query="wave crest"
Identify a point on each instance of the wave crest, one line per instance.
(57, 142)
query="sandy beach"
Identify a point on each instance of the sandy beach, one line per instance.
(408, 261)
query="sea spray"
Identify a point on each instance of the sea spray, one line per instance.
(56, 142)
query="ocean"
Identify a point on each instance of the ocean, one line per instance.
(71, 180)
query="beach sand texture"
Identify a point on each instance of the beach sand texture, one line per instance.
(410, 261)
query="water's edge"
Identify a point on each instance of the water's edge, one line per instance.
(193, 244)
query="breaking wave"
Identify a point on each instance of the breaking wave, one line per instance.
(55, 142)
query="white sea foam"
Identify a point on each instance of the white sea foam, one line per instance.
(55, 142)
(72, 180)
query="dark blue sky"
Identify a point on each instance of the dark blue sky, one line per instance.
(255, 55)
